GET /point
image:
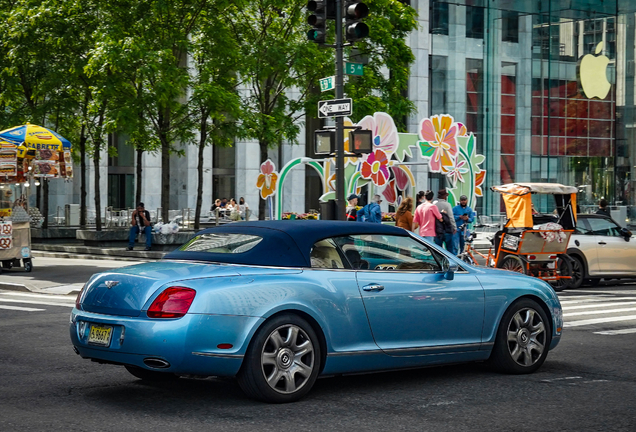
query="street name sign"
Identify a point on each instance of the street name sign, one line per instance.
(354, 68)
(335, 108)
(328, 83)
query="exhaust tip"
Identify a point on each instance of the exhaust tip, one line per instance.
(156, 363)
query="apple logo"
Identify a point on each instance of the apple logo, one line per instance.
(593, 75)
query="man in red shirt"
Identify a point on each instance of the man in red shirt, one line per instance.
(425, 216)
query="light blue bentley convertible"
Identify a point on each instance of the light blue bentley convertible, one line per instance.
(278, 303)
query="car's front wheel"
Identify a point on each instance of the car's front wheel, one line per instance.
(282, 361)
(523, 339)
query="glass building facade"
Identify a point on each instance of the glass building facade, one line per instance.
(548, 89)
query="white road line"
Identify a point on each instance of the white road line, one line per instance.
(604, 299)
(609, 292)
(569, 308)
(46, 296)
(599, 312)
(2, 300)
(25, 309)
(599, 321)
(616, 332)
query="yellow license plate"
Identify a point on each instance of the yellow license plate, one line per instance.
(100, 335)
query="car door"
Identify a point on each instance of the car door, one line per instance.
(585, 240)
(412, 308)
(615, 254)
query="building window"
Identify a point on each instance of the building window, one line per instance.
(474, 22)
(437, 84)
(510, 26)
(508, 121)
(121, 172)
(223, 172)
(475, 100)
(439, 18)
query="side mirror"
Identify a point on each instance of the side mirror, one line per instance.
(626, 233)
(450, 271)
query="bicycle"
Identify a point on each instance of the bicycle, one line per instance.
(469, 252)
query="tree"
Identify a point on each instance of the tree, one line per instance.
(215, 103)
(280, 68)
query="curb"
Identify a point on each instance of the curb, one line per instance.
(46, 254)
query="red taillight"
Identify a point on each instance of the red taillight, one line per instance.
(79, 297)
(173, 302)
(532, 257)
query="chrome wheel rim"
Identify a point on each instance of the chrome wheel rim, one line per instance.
(287, 359)
(526, 337)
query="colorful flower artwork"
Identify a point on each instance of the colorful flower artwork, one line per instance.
(451, 150)
(267, 179)
(449, 147)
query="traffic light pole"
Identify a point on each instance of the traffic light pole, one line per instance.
(340, 184)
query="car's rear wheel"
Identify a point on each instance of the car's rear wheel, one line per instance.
(523, 339)
(148, 375)
(578, 272)
(282, 361)
(513, 263)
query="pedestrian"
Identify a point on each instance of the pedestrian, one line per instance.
(352, 212)
(140, 223)
(425, 217)
(217, 204)
(371, 212)
(602, 208)
(403, 215)
(419, 199)
(448, 227)
(243, 209)
(464, 216)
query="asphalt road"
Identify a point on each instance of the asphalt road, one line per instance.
(587, 384)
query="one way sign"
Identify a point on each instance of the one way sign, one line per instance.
(335, 108)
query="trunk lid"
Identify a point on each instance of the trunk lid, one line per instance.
(125, 291)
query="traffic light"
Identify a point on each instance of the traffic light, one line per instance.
(317, 20)
(354, 28)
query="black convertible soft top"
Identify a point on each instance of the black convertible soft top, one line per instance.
(285, 243)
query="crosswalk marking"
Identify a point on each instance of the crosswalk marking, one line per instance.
(18, 308)
(6, 300)
(596, 305)
(603, 299)
(31, 295)
(604, 311)
(579, 323)
(616, 332)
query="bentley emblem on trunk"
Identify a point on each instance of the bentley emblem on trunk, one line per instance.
(111, 284)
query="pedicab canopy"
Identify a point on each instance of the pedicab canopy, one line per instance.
(517, 198)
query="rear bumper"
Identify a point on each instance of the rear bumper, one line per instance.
(188, 344)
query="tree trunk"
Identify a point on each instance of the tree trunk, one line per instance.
(98, 199)
(202, 139)
(45, 202)
(83, 192)
(261, 202)
(164, 126)
(138, 172)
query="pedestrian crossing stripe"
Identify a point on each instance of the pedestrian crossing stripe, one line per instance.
(594, 300)
(596, 305)
(18, 308)
(596, 312)
(599, 321)
(616, 332)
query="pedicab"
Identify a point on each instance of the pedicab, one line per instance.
(536, 244)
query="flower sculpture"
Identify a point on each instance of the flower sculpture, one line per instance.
(451, 149)
(439, 133)
(267, 179)
(384, 132)
(375, 167)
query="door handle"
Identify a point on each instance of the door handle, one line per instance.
(602, 243)
(373, 287)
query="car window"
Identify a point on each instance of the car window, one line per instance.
(604, 227)
(325, 254)
(387, 252)
(582, 226)
(221, 243)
